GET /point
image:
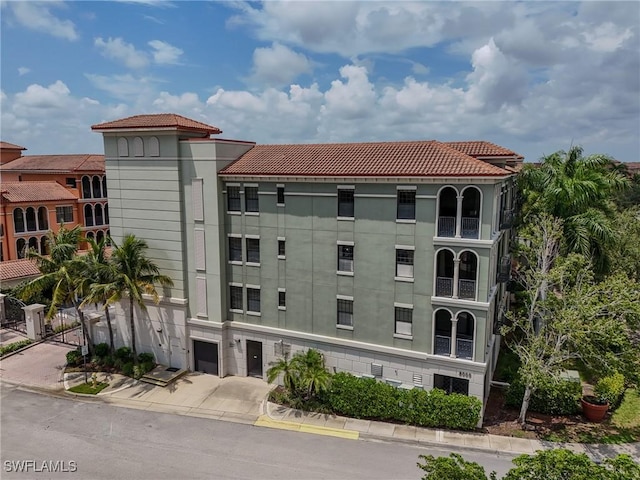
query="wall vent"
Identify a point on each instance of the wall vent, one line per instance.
(376, 369)
(417, 379)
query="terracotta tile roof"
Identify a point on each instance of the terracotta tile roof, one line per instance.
(376, 159)
(480, 148)
(10, 146)
(17, 192)
(158, 120)
(57, 163)
(633, 167)
(17, 269)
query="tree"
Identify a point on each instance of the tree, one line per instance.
(285, 368)
(624, 253)
(98, 281)
(136, 276)
(453, 467)
(578, 190)
(564, 314)
(62, 272)
(304, 376)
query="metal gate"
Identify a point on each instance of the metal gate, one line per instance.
(14, 315)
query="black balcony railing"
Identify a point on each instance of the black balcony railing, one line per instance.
(506, 219)
(504, 269)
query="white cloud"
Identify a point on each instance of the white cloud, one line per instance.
(137, 91)
(118, 49)
(23, 70)
(165, 53)
(278, 65)
(37, 16)
(188, 101)
(37, 96)
(606, 37)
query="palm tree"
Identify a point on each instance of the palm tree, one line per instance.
(313, 374)
(136, 276)
(62, 272)
(285, 367)
(577, 190)
(98, 280)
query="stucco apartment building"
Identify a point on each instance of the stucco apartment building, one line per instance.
(39, 192)
(389, 257)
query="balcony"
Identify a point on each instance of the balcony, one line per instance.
(444, 287)
(506, 219)
(464, 347)
(470, 227)
(447, 226)
(504, 269)
(466, 288)
(443, 345)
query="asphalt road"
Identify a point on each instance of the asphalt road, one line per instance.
(100, 441)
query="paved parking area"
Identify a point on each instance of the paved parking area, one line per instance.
(8, 336)
(38, 366)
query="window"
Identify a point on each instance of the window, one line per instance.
(235, 296)
(86, 187)
(96, 187)
(345, 202)
(43, 219)
(233, 199)
(88, 215)
(451, 384)
(64, 214)
(282, 299)
(31, 219)
(345, 258)
(280, 195)
(235, 249)
(253, 300)
(281, 248)
(404, 317)
(21, 245)
(404, 263)
(98, 215)
(406, 204)
(18, 220)
(70, 182)
(345, 312)
(253, 250)
(104, 187)
(251, 199)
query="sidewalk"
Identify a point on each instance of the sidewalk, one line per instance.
(243, 400)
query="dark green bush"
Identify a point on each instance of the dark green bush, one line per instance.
(366, 398)
(556, 397)
(101, 350)
(127, 369)
(124, 354)
(73, 357)
(146, 357)
(12, 347)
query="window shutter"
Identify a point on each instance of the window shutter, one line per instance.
(197, 200)
(201, 296)
(201, 263)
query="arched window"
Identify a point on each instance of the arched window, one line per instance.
(31, 219)
(43, 219)
(86, 187)
(444, 273)
(98, 214)
(104, 187)
(90, 235)
(20, 247)
(468, 275)
(123, 147)
(442, 344)
(106, 214)
(447, 212)
(18, 220)
(33, 244)
(464, 335)
(470, 213)
(88, 215)
(138, 147)
(99, 236)
(154, 147)
(44, 245)
(97, 193)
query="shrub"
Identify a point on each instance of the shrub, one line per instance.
(65, 326)
(610, 389)
(127, 369)
(12, 347)
(367, 398)
(101, 350)
(73, 357)
(124, 355)
(146, 357)
(555, 397)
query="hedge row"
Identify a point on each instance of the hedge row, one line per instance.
(367, 398)
(559, 397)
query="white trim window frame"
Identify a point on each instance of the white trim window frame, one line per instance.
(344, 319)
(346, 202)
(253, 300)
(234, 289)
(252, 247)
(346, 253)
(234, 199)
(405, 263)
(237, 240)
(403, 321)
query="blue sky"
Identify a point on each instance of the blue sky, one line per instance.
(535, 77)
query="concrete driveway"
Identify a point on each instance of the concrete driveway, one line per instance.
(38, 366)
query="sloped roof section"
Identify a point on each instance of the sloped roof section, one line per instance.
(375, 159)
(57, 163)
(18, 192)
(10, 146)
(17, 269)
(481, 148)
(161, 121)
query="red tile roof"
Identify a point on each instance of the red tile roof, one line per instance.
(17, 269)
(10, 146)
(158, 120)
(481, 148)
(18, 192)
(633, 167)
(57, 163)
(376, 159)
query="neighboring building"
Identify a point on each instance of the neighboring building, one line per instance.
(39, 192)
(389, 257)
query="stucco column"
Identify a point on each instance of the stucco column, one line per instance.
(459, 216)
(34, 318)
(2, 314)
(454, 335)
(456, 276)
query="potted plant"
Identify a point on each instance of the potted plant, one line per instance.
(594, 407)
(607, 392)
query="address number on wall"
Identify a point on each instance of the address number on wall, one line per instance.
(464, 374)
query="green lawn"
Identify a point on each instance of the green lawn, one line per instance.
(87, 388)
(628, 414)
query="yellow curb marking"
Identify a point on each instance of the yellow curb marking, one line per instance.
(265, 421)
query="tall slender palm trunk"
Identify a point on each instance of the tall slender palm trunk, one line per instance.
(133, 332)
(107, 316)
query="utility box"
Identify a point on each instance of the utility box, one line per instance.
(34, 318)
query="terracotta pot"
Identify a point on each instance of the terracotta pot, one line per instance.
(593, 411)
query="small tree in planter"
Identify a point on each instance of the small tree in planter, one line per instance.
(607, 393)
